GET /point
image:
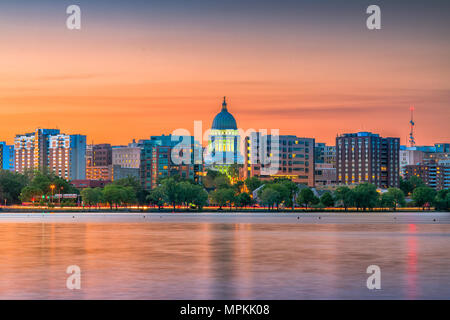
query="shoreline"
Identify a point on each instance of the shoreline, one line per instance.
(426, 217)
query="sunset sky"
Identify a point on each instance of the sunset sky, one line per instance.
(141, 68)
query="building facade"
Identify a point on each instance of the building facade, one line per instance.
(127, 156)
(324, 154)
(121, 173)
(367, 157)
(66, 156)
(99, 162)
(98, 155)
(325, 174)
(442, 147)
(224, 143)
(410, 157)
(279, 156)
(6, 156)
(31, 150)
(48, 149)
(83, 184)
(166, 156)
(435, 174)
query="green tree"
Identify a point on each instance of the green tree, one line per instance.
(393, 198)
(233, 171)
(208, 180)
(50, 184)
(282, 192)
(111, 194)
(416, 182)
(423, 196)
(237, 186)
(221, 182)
(442, 200)
(135, 183)
(405, 186)
(222, 197)
(116, 195)
(243, 200)
(269, 197)
(172, 191)
(327, 199)
(230, 196)
(292, 190)
(31, 193)
(41, 181)
(408, 186)
(11, 185)
(346, 196)
(186, 192)
(306, 197)
(128, 196)
(90, 196)
(285, 196)
(200, 196)
(157, 197)
(366, 196)
(252, 184)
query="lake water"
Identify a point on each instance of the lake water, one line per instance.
(223, 260)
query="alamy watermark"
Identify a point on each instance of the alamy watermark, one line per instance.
(374, 20)
(374, 280)
(227, 146)
(73, 21)
(73, 282)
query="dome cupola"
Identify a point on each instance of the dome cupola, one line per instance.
(224, 120)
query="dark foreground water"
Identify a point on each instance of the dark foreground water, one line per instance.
(182, 260)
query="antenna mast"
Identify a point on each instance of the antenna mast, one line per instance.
(412, 141)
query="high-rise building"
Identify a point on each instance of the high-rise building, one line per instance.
(435, 173)
(165, 156)
(410, 157)
(425, 149)
(325, 174)
(224, 145)
(325, 164)
(121, 172)
(6, 156)
(126, 161)
(282, 156)
(324, 153)
(436, 156)
(66, 156)
(98, 155)
(127, 156)
(99, 162)
(367, 157)
(442, 147)
(48, 149)
(31, 150)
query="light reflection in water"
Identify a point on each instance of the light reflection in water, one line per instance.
(223, 260)
(412, 262)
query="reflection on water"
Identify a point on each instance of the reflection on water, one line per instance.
(223, 260)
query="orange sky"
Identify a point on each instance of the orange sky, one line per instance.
(118, 83)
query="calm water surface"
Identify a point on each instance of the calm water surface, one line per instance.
(179, 260)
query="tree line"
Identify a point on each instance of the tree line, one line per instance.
(223, 190)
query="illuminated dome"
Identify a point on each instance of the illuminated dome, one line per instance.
(224, 120)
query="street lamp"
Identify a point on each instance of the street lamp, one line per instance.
(52, 186)
(60, 198)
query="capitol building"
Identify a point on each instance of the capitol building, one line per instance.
(224, 143)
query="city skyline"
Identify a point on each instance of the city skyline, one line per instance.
(311, 70)
(224, 159)
(91, 141)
